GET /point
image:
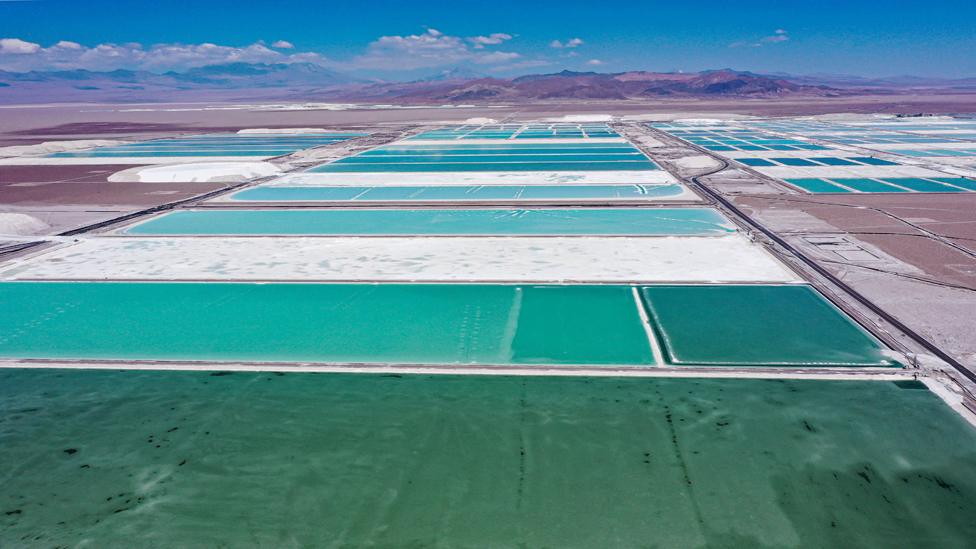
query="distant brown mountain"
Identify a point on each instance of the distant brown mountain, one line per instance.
(588, 85)
(310, 82)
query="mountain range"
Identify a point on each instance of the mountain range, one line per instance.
(307, 81)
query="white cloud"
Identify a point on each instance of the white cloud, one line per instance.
(496, 57)
(68, 45)
(430, 49)
(571, 43)
(18, 55)
(492, 39)
(594, 62)
(16, 46)
(779, 35)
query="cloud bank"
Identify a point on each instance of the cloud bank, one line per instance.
(571, 43)
(431, 49)
(778, 36)
(20, 56)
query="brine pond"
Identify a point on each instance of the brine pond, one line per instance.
(135, 458)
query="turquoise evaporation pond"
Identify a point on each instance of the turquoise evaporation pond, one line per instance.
(219, 145)
(754, 325)
(493, 164)
(187, 152)
(496, 150)
(723, 325)
(458, 193)
(514, 165)
(405, 158)
(345, 323)
(887, 185)
(576, 221)
(198, 459)
(489, 159)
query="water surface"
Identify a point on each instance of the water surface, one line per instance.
(142, 459)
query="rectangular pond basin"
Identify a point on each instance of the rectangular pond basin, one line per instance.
(334, 323)
(213, 145)
(530, 150)
(500, 157)
(813, 185)
(576, 221)
(463, 193)
(142, 459)
(868, 185)
(507, 165)
(757, 325)
(408, 258)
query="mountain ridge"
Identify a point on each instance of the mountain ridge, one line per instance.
(309, 81)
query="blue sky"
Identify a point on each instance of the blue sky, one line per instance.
(504, 37)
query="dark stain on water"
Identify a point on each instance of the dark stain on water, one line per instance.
(911, 384)
(523, 409)
(865, 474)
(70, 451)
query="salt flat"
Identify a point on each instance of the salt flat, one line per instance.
(731, 258)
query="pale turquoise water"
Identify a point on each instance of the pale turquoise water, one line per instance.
(956, 185)
(166, 153)
(213, 145)
(562, 165)
(488, 158)
(359, 323)
(868, 185)
(473, 194)
(428, 324)
(500, 149)
(508, 157)
(813, 185)
(139, 459)
(576, 221)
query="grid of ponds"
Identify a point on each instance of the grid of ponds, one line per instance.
(215, 145)
(519, 131)
(867, 134)
(739, 139)
(886, 185)
(393, 458)
(479, 324)
(817, 161)
(835, 173)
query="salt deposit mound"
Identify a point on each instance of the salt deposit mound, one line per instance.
(196, 172)
(20, 224)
